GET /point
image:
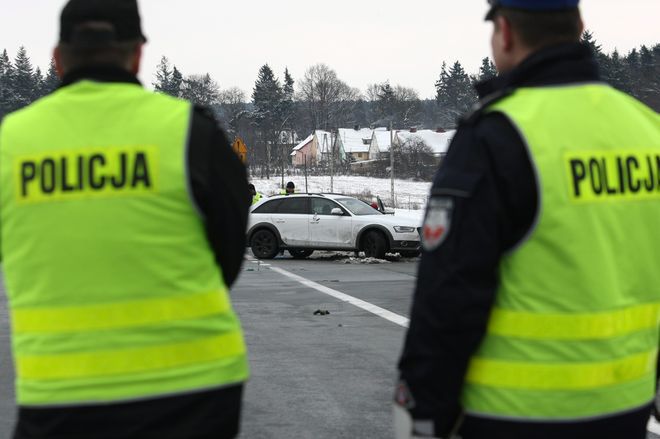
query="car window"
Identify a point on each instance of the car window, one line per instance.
(269, 207)
(358, 207)
(321, 206)
(295, 205)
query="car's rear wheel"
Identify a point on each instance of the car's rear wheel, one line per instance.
(264, 244)
(301, 253)
(374, 245)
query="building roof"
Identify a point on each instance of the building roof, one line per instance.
(302, 144)
(383, 140)
(438, 142)
(355, 141)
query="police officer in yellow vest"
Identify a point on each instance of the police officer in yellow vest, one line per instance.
(538, 299)
(255, 196)
(290, 189)
(123, 214)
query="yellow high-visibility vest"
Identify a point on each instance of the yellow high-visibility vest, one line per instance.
(114, 291)
(574, 331)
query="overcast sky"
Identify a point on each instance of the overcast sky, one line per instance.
(365, 41)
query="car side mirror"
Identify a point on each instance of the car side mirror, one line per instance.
(337, 212)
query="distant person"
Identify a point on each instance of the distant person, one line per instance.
(531, 319)
(290, 189)
(123, 227)
(255, 196)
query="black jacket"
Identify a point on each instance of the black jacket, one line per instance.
(218, 182)
(489, 165)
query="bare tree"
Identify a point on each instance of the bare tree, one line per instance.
(398, 105)
(413, 157)
(233, 107)
(328, 99)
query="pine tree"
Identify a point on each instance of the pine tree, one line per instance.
(617, 75)
(267, 96)
(267, 99)
(23, 81)
(487, 70)
(287, 105)
(631, 66)
(52, 80)
(38, 78)
(6, 87)
(201, 90)
(455, 95)
(602, 59)
(441, 84)
(589, 40)
(649, 76)
(386, 102)
(288, 85)
(163, 81)
(176, 83)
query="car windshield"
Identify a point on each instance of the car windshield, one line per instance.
(358, 207)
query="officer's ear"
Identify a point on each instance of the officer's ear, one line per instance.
(57, 56)
(581, 25)
(504, 32)
(137, 60)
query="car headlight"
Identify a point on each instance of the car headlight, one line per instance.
(403, 229)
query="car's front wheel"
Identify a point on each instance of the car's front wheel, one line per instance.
(301, 253)
(264, 244)
(374, 245)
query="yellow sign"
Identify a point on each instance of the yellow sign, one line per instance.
(240, 148)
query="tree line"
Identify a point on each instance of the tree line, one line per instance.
(281, 106)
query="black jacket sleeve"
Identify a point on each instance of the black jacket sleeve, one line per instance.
(489, 179)
(218, 182)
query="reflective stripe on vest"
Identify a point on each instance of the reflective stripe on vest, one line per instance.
(114, 292)
(574, 331)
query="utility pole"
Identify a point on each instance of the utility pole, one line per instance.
(282, 162)
(332, 164)
(306, 188)
(392, 161)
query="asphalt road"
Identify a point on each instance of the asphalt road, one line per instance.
(313, 376)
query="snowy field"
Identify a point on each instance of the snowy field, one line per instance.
(409, 195)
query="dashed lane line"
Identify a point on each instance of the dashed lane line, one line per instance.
(369, 307)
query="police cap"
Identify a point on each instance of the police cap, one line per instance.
(531, 5)
(92, 23)
(290, 185)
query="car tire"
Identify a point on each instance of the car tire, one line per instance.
(264, 244)
(301, 253)
(374, 245)
(410, 253)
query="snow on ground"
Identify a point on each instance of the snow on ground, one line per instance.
(410, 195)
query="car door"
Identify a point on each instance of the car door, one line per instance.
(327, 230)
(292, 221)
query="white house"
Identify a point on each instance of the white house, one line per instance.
(438, 141)
(380, 144)
(354, 143)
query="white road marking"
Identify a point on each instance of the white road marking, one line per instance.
(380, 312)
